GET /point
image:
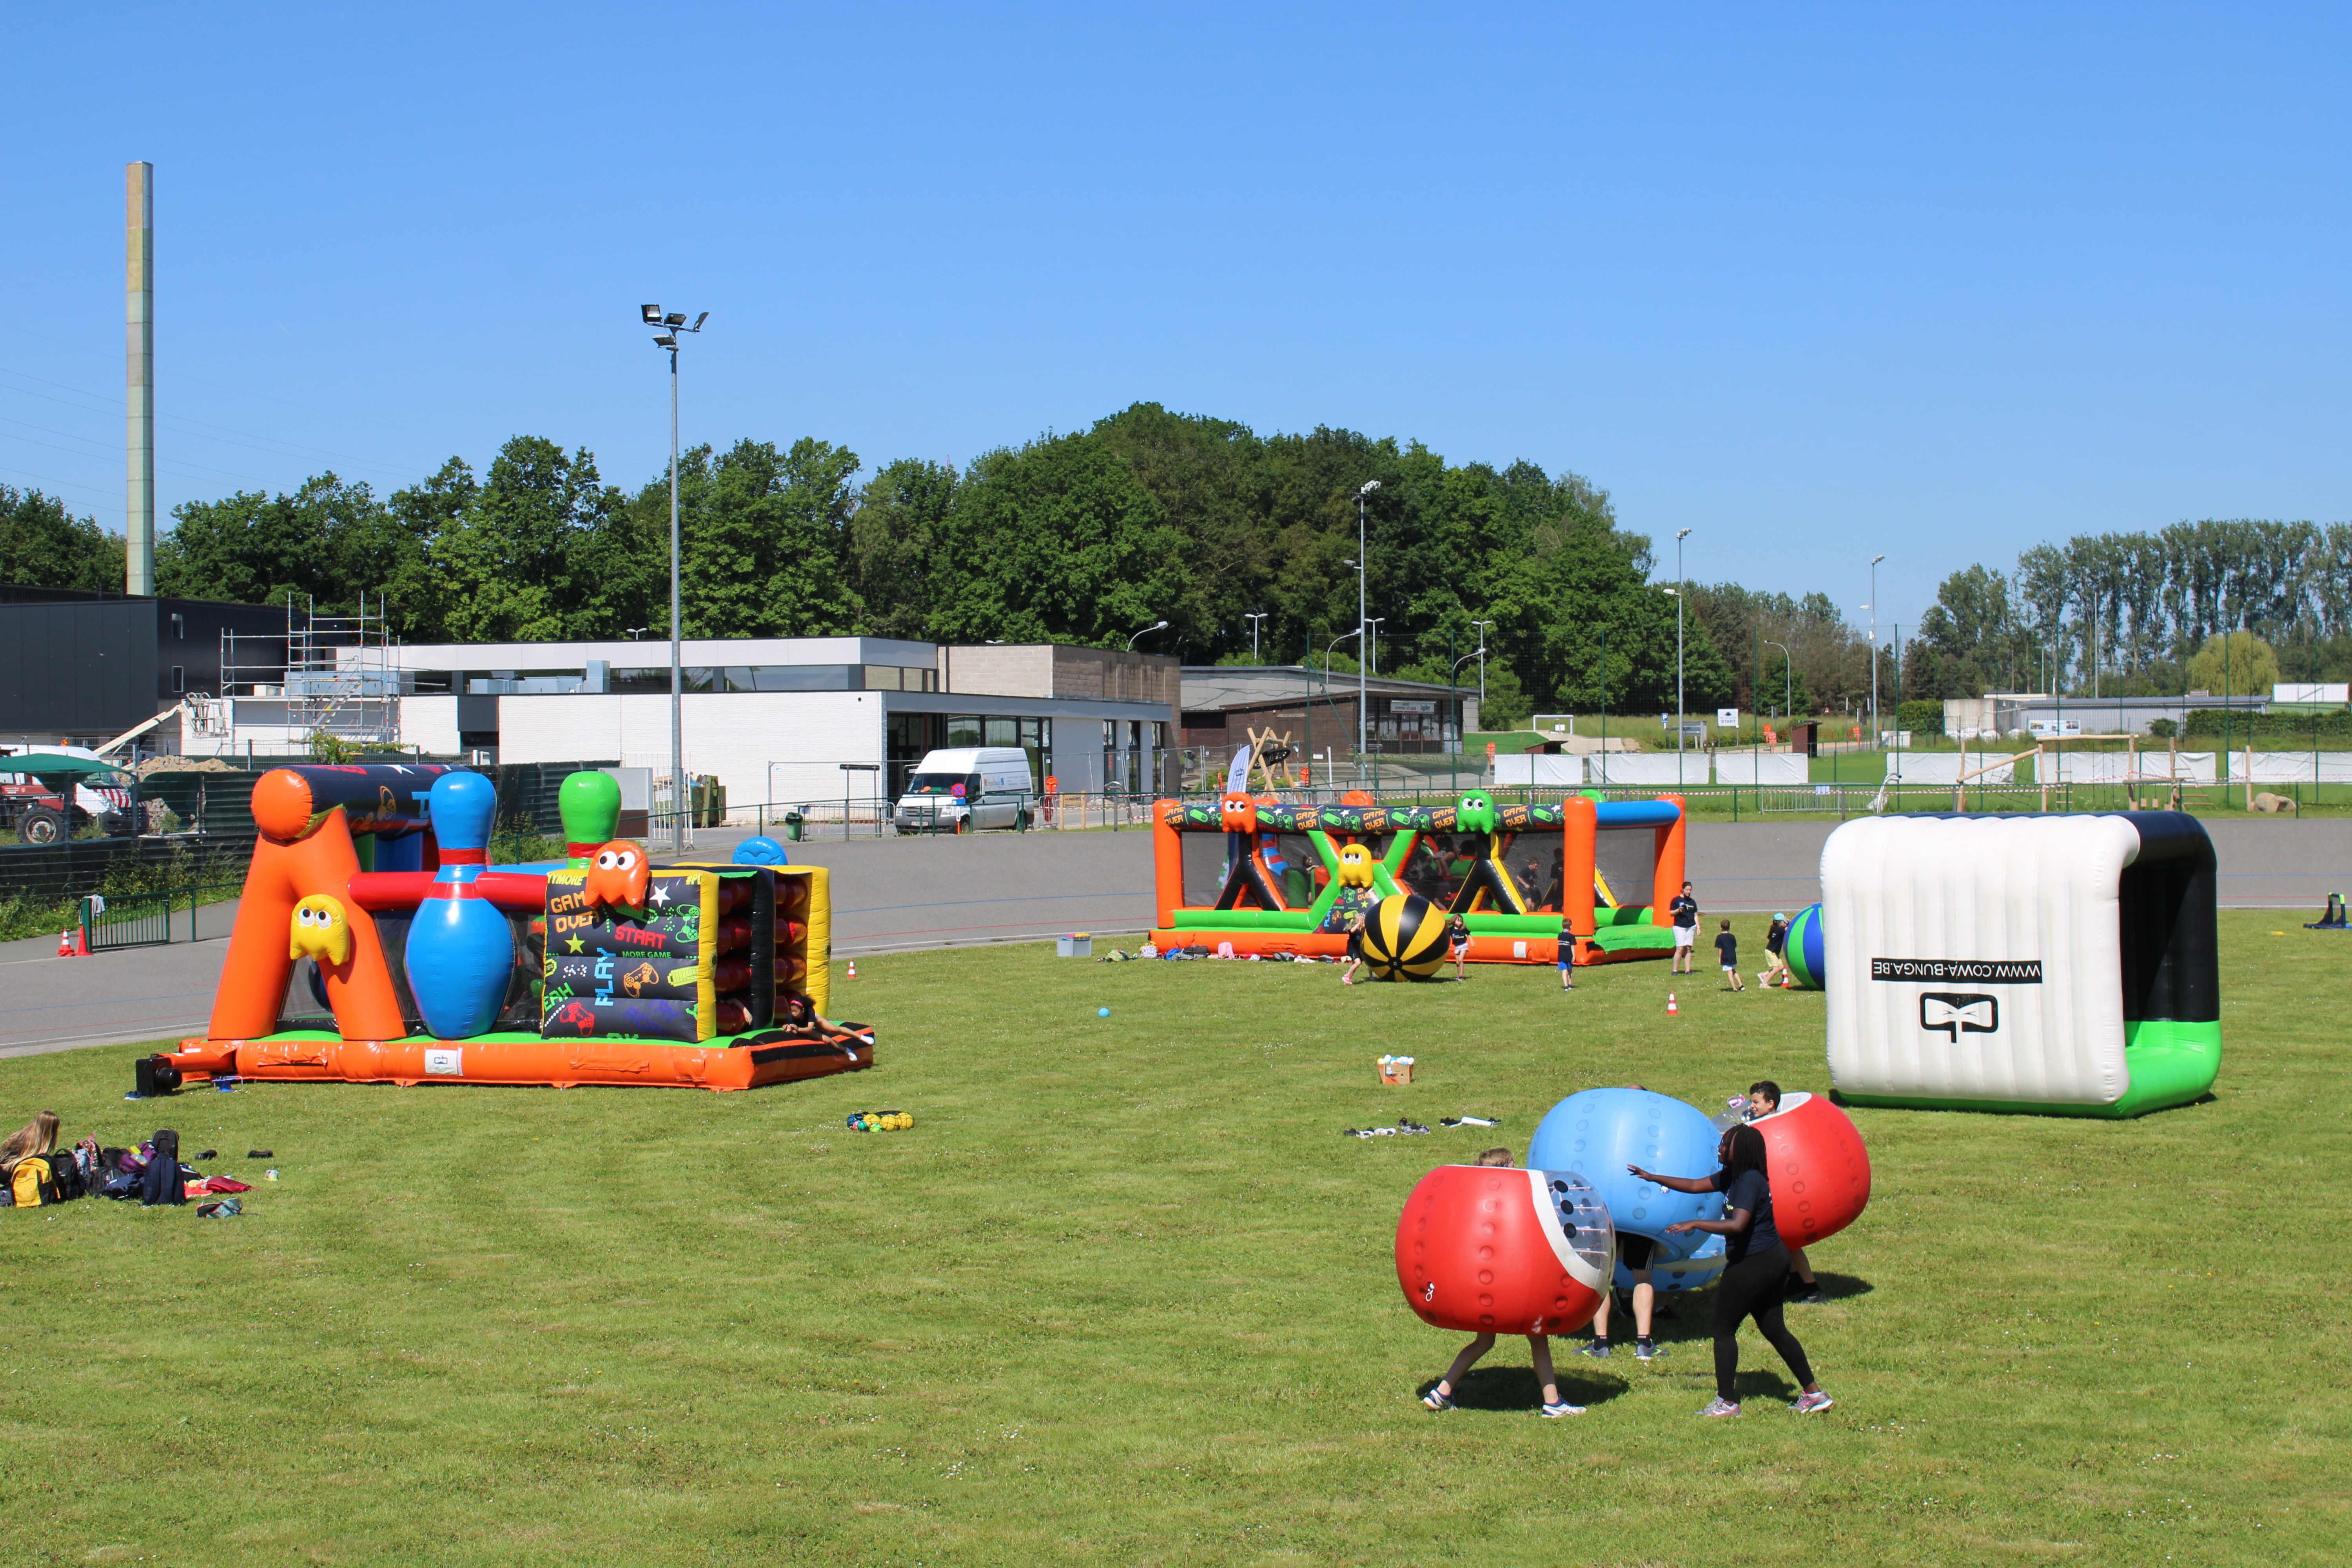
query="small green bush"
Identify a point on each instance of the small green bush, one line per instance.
(1924, 717)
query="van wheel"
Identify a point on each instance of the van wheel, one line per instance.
(41, 824)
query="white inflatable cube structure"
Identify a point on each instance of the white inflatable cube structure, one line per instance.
(2063, 964)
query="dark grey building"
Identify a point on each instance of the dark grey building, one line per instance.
(78, 669)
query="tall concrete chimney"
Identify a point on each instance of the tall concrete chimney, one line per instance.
(139, 334)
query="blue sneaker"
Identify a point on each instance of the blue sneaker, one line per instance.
(1437, 1401)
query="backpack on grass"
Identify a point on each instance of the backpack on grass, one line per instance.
(32, 1183)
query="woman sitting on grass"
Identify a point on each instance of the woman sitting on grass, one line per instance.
(1441, 1397)
(1758, 1271)
(36, 1137)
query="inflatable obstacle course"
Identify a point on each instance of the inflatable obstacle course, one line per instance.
(2061, 965)
(376, 943)
(1271, 878)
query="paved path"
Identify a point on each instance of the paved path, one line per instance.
(892, 894)
(2265, 864)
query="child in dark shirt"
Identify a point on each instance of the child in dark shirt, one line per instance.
(1757, 1265)
(1727, 952)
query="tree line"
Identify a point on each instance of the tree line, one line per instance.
(1084, 537)
(1148, 515)
(2126, 614)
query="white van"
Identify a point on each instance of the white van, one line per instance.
(973, 786)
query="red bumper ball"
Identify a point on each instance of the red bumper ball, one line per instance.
(1819, 1170)
(1494, 1250)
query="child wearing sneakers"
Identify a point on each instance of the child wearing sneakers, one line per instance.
(1727, 951)
(1441, 1397)
(1567, 954)
(1635, 1252)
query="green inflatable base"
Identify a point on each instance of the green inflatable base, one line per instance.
(1301, 920)
(2169, 1064)
(1633, 939)
(523, 1037)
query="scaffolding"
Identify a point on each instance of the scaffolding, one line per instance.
(330, 674)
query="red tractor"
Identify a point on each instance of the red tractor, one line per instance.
(48, 808)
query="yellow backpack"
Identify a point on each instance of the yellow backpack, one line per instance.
(33, 1183)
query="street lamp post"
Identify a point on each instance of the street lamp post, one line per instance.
(1482, 626)
(671, 325)
(1876, 734)
(1363, 650)
(1680, 705)
(1147, 631)
(1252, 618)
(1787, 679)
(1334, 642)
(1454, 690)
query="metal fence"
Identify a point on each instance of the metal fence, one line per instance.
(146, 920)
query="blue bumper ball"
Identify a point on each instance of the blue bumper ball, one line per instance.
(760, 851)
(1597, 1132)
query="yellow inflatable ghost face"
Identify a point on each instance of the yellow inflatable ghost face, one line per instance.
(320, 931)
(1355, 866)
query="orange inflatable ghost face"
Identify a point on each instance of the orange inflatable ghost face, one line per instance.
(1240, 814)
(619, 875)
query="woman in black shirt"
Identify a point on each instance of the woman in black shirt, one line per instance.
(1752, 1284)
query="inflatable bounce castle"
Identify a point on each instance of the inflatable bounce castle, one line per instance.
(1271, 878)
(2062, 964)
(374, 942)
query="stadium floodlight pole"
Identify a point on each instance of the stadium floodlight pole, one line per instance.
(1787, 679)
(1154, 626)
(1877, 736)
(671, 325)
(1252, 618)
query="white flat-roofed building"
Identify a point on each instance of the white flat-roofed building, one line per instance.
(775, 718)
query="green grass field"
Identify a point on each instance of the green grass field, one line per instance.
(1122, 1295)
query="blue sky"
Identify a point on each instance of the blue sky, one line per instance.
(1811, 282)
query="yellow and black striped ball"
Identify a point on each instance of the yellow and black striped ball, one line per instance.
(1404, 938)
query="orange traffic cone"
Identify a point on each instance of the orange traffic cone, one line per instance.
(65, 945)
(1671, 1008)
(853, 969)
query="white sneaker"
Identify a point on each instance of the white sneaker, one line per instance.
(1562, 1408)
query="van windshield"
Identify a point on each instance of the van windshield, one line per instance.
(944, 783)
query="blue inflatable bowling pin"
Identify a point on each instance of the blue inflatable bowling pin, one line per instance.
(460, 948)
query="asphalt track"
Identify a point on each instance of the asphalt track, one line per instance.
(897, 895)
